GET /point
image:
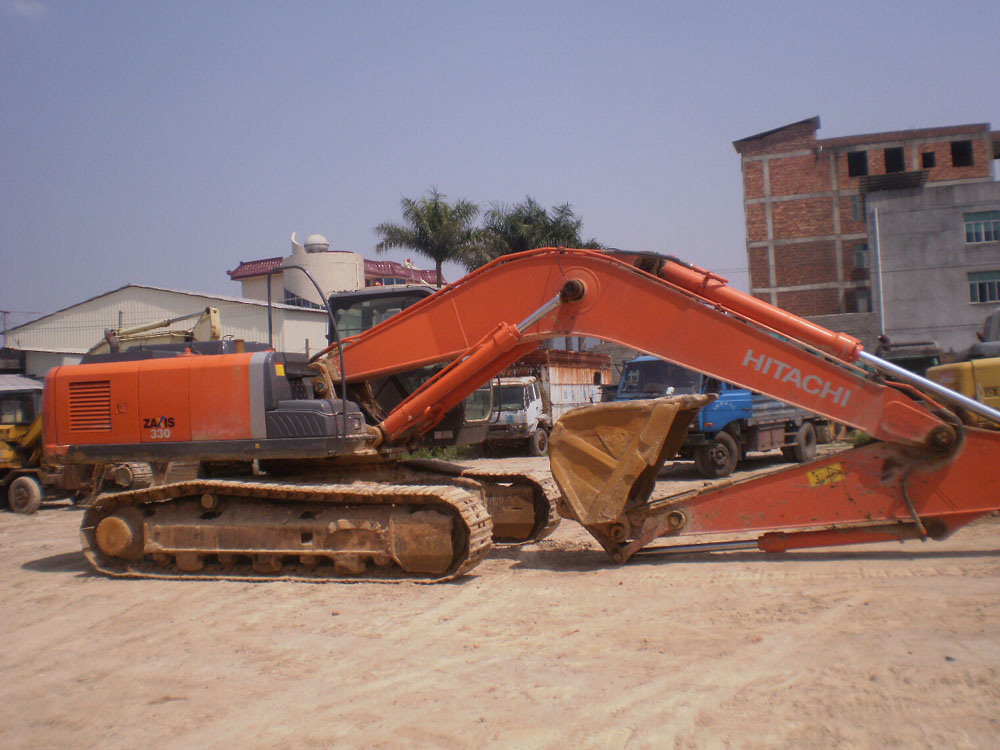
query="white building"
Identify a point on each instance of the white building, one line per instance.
(333, 270)
(64, 336)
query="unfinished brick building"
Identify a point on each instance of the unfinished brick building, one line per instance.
(808, 235)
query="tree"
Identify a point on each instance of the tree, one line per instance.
(525, 226)
(433, 228)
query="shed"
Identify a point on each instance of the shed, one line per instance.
(64, 336)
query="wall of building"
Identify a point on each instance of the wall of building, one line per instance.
(333, 271)
(36, 364)
(926, 262)
(255, 287)
(862, 326)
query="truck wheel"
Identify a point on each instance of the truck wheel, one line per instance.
(805, 444)
(24, 495)
(718, 458)
(538, 442)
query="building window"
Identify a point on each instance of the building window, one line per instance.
(961, 153)
(983, 286)
(861, 256)
(857, 208)
(859, 300)
(982, 226)
(928, 160)
(894, 160)
(857, 163)
(294, 299)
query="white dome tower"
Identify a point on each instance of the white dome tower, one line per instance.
(333, 270)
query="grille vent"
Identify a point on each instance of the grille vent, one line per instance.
(90, 406)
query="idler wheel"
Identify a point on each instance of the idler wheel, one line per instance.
(121, 535)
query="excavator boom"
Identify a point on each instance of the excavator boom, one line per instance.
(620, 302)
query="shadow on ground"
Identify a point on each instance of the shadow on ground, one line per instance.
(67, 562)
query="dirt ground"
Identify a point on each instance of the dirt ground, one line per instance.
(546, 646)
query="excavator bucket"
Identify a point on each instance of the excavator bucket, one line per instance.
(605, 457)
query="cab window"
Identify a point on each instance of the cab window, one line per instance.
(16, 409)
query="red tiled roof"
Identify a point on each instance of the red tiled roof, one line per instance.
(247, 269)
(392, 268)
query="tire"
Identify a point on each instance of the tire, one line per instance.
(538, 442)
(719, 458)
(24, 495)
(805, 444)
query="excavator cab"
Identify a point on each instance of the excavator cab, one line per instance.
(358, 311)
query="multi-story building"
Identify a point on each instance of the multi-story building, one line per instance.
(333, 270)
(810, 234)
(937, 264)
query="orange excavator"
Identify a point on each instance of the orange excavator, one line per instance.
(300, 472)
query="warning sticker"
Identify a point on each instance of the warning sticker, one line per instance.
(827, 475)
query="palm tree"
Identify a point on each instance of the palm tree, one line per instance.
(525, 226)
(434, 228)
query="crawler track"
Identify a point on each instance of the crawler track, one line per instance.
(258, 530)
(546, 516)
(523, 508)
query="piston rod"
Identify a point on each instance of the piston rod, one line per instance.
(681, 549)
(572, 291)
(946, 394)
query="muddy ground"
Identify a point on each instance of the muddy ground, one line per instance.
(542, 646)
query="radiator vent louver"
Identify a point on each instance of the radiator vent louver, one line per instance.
(90, 406)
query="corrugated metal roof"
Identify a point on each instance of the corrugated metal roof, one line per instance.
(11, 383)
(75, 329)
(205, 295)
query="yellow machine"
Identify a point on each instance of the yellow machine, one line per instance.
(20, 442)
(976, 378)
(207, 327)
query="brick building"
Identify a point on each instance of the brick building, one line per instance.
(809, 240)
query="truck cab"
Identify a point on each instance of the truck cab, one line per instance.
(357, 311)
(737, 422)
(519, 415)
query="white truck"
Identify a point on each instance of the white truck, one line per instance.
(533, 393)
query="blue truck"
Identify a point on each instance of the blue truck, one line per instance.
(737, 422)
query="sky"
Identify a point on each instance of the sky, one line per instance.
(163, 143)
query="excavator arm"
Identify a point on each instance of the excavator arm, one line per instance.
(926, 476)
